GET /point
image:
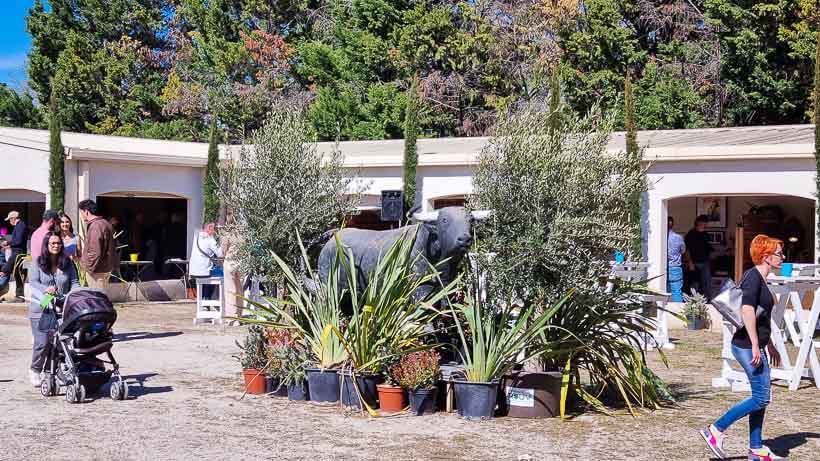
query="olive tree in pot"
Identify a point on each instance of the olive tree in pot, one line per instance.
(313, 315)
(696, 311)
(387, 318)
(253, 357)
(494, 340)
(418, 372)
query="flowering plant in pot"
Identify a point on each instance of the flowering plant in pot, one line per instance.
(294, 362)
(696, 311)
(418, 372)
(280, 341)
(254, 359)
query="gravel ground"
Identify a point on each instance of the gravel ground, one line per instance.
(186, 404)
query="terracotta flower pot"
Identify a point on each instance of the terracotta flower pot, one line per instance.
(255, 381)
(392, 399)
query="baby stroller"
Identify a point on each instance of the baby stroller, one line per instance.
(84, 321)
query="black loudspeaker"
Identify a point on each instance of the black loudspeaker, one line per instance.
(392, 205)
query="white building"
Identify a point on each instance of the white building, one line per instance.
(742, 169)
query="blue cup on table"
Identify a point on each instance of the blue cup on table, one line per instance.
(620, 257)
(786, 269)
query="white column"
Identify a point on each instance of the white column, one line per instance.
(656, 241)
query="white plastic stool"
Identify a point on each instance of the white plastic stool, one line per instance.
(210, 309)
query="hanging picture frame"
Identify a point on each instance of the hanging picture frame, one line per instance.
(715, 210)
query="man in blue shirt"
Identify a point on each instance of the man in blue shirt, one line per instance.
(675, 248)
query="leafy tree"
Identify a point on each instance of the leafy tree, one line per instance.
(411, 156)
(817, 121)
(633, 153)
(18, 110)
(56, 159)
(303, 191)
(211, 180)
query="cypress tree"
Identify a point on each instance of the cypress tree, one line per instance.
(210, 185)
(816, 122)
(56, 159)
(411, 158)
(633, 152)
(555, 101)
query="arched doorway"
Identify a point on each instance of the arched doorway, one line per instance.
(30, 204)
(733, 220)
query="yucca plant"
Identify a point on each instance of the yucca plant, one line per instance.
(496, 338)
(387, 318)
(599, 335)
(313, 314)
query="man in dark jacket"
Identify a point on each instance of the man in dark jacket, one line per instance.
(99, 252)
(18, 249)
(699, 251)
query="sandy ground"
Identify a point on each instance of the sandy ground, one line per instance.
(186, 404)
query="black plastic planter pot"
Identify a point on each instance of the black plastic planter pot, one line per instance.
(273, 387)
(476, 401)
(298, 392)
(323, 385)
(423, 401)
(367, 387)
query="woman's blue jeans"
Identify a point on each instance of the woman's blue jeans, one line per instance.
(754, 406)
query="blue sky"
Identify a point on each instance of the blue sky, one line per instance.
(14, 41)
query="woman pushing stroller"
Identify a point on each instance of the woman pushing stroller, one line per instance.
(52, 273)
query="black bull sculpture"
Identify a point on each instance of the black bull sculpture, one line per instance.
(442, 243)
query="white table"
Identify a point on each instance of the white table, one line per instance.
(788, 291)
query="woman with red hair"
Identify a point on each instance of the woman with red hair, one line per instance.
(748, 344)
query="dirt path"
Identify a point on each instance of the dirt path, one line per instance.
(186, 405)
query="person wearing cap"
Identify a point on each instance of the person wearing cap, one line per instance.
(50, 221)
(18, 247)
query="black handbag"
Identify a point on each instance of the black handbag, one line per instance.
(48, 320)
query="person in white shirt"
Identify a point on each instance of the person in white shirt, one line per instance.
(203, 252)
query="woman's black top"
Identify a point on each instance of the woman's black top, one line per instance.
(756, 293)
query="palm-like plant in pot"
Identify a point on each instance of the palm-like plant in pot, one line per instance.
(418, 372)
(313, 314)
(387, 319)
(494, 339)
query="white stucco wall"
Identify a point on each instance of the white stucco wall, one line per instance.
(443, 181)
(24, 169)
(732, 177)
(181, 181)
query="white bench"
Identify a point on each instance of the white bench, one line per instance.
(210, 309)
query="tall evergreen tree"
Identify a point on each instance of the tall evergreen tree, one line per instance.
(210, 185)
(411, 157)
(56, 159)
(555, 101)
(634, 155)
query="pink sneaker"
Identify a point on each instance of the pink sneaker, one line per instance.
(763, 454)
(714, 438)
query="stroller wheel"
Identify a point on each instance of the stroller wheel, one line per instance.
(119, 390)
(48, 387)
(75, 393)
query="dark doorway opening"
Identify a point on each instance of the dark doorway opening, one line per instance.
(154, 228)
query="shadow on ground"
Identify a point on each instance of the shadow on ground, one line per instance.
(137, 387)
(135, 335)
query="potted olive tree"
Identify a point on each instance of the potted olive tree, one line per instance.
(418, 372)
(696, 311)
(253, 357)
